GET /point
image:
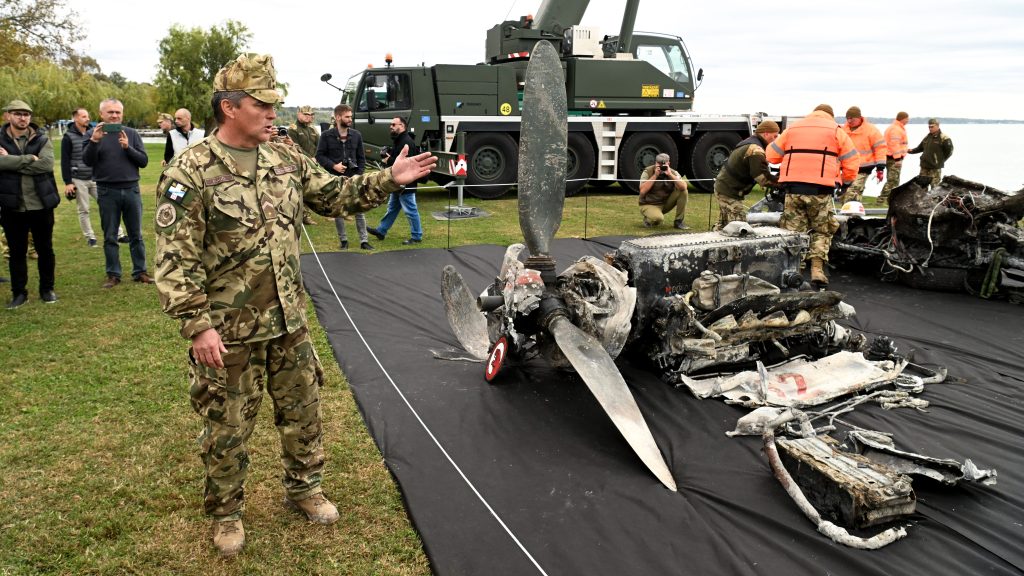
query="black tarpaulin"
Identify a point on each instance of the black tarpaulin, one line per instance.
(531, 477)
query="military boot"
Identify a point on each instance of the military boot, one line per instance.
(228, 537)
(317, 508)
(818, 273)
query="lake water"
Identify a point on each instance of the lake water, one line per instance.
(990, 154)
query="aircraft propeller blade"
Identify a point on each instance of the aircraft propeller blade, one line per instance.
(542, 149)
(602, 376)
(468, 324)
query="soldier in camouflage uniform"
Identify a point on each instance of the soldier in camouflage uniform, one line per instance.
(745, 167)
(227, 222)
(935, 149)
(305, 136)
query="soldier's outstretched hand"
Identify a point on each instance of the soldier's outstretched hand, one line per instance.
(408, 169)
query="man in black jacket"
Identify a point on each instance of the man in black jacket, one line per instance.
(28, 195)
(116, 154)
(406, 198)
(340, 151)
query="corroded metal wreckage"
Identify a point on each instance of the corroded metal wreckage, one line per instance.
(958, 236)
(724, 313)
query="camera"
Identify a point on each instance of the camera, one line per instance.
(282, 131)
(663, 168)
(385, 151)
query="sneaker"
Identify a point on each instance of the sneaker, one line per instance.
(375, 233)
(680, 225)
(228, 537)
(366, 246)
(123, 239)
(91, 242)
(49, 296)
(317, 508)
(344, 245)
(411, 241)
(111, 282)
(144, 278)
(17, 301)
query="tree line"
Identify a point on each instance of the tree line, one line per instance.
(39, 64)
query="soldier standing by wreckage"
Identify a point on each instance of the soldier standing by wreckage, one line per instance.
(817, 158)
(934, 149)
(227, 228)
(745, 167)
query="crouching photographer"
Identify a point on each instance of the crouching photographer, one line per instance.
(661, 190)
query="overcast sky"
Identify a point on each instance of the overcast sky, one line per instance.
(947, 58)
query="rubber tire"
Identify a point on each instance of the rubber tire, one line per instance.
(580, 162)
(493, 158)
(710, 153)
(638, 152)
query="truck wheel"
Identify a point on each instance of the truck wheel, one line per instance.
(580, 161)
(638, 152)
(710, 153)
(493, 164)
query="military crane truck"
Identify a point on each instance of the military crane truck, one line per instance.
(629, 97)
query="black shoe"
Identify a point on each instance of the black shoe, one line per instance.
(91, 242)
(366, 246)
(375, 233)
(411, 241)
(344, 245)
(123, 239)
(49, 297)
(17, 301)
(680, 225)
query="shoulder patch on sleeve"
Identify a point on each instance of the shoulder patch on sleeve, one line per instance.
(166, 215)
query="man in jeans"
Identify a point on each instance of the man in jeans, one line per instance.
(116, 154)
(78, 182)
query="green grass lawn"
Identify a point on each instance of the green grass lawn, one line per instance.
(100, 469)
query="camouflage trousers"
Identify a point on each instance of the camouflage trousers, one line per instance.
(856, 190)
(813, 213)
(654, 214)
(934, 173)
(892, 177)
(729, 210)
(229, 399)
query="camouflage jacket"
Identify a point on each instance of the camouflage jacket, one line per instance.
(228, 244)
(745, 167)
(305, 137)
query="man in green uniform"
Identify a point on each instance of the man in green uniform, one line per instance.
(935, 149)
(227, 222)
(745, 167)
(305, 136)
(661, 190)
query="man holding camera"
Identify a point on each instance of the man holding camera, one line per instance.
(340, 152)
(661, 190)
(116, 153)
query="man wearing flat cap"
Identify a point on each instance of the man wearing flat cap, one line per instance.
(745, 167)
(227, 227)
(28, 195)
(934, 149)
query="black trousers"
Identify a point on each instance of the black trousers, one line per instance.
(17, 226)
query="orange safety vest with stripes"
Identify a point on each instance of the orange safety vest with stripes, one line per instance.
(815, 151)
(869, 143)
(896, 140)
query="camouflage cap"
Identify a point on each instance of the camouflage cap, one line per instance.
(164, 116)
(251, 73)
(17, 105)
(306, 110)
(767, 126)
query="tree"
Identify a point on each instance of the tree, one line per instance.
(189, 60)
(36, 29)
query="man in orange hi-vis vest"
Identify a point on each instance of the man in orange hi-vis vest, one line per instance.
(897, 144)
